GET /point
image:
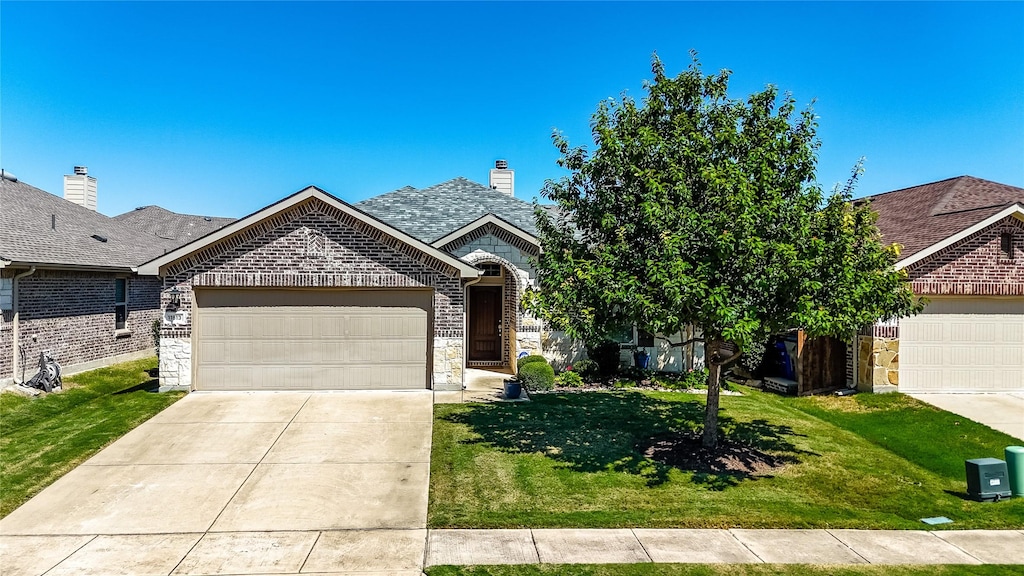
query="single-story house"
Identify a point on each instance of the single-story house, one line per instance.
(962, 245)
(402, 290)
(68, 280)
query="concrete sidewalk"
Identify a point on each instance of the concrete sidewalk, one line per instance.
(406, 552)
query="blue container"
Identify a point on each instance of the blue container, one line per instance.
(641, 359)
(513, 389)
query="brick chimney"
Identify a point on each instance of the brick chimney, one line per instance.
(502, 179)
(80, 188)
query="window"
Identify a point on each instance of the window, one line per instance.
(491, 269)
(120, 303)
(1006, 245)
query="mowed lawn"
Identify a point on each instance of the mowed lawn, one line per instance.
(42, 439)
(577, 460)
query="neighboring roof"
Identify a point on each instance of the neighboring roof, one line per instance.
(432, 213)
(170, 225)
(39, 228)
(153, 267)
(485, 220)
(924, 216)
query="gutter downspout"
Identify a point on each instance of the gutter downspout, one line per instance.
(16, 332)
(465, 326)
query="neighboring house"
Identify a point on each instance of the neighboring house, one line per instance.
(963, 248)
(167, 225)
(68, 282)
(405, 289)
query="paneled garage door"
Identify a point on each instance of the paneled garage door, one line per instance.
(964, 345)
(258, 339)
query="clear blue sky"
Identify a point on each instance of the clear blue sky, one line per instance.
(222, 108)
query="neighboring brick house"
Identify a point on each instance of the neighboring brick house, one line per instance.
(963, 248)
(68, 282)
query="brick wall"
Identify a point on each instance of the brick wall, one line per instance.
(974, 266)
(72, 315)
(314, 245)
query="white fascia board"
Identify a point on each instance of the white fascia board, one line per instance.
(484, 220)
(1012, 210)
(153, 267)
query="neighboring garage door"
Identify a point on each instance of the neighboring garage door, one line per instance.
(262, 339)
(964, 345)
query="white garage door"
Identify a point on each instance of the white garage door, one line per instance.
(964, 345)
(311, 339)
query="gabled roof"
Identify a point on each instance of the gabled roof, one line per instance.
(170, 225)
(484, 221)
(39, 228)
(154, 266)
(922, 217)
(432, 213)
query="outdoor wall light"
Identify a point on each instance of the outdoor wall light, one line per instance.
(175, 295)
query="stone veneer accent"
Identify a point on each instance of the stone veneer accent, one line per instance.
(71, 313)
(175, 364)
(315, 245)
(879, 362)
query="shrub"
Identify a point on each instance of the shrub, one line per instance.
(586, 368)
(606, 355)
(529, 360)
(154, 329)
(569, 379)
(537, 376)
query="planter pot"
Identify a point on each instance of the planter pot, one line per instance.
(513, 389)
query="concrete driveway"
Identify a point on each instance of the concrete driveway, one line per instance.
(1003, 412)
(239, 483)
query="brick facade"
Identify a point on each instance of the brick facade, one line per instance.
(314, 245)
(974, 266)
(72, 315)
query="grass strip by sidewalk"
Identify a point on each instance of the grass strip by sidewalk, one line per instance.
(578, 460)
(42, 439)
(721, 570)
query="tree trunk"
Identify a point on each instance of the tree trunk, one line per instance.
(711, 348)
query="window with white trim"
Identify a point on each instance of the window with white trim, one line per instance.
(120, 303)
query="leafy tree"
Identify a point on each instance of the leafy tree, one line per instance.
(699, 209)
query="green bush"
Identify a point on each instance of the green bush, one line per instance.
(569, 379)
(537, 376)
(586, 368)
(529, 360)
(606, 355)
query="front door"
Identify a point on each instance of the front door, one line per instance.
(484, 323)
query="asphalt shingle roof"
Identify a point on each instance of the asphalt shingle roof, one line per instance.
(433, 212)
(163, 223)
(39, 227)
(921, 216)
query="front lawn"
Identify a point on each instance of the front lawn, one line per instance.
(720, 570)
(606, 459)
(42, 439)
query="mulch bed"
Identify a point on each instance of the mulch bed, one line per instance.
(686, 452)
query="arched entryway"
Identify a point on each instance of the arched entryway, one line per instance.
(492, 312)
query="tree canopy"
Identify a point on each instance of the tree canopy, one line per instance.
(697, 209)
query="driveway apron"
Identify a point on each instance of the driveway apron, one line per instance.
(242, 482)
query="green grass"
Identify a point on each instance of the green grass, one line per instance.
(42, 439)
(572, 460)
(719, 570)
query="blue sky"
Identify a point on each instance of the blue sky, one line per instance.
(222, 108)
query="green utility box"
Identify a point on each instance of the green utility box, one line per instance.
(986, 479)
(1015, 468)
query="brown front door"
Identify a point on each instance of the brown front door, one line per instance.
(484, 323)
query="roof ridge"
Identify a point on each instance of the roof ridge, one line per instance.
(869, 197)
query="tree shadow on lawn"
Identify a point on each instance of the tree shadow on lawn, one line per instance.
(632, 433)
